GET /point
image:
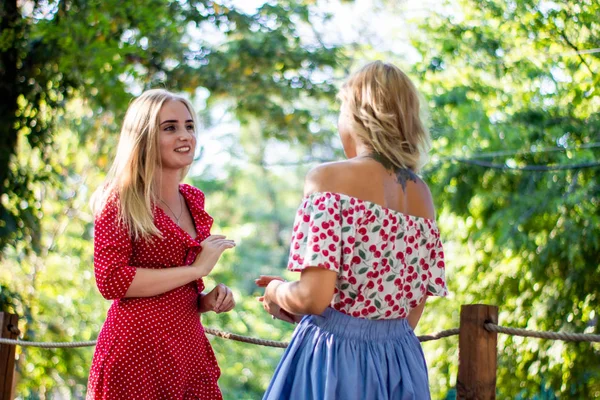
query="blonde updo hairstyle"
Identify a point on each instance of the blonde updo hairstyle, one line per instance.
(385, 111)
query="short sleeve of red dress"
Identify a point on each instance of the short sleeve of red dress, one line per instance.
(112, 252)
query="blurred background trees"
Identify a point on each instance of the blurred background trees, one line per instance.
(512, 92)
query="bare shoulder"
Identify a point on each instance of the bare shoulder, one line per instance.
(325, 177)
(418, 185)
(419, 199)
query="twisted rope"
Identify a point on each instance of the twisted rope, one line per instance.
(245, 339)
(46, 345)
(210, 331)
(568, 337)
(438, 335)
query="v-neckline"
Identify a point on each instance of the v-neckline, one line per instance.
(194, 222)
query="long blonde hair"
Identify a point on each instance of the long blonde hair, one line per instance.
(386, 114)
(131, 178)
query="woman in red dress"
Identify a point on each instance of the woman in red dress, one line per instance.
(152, 247)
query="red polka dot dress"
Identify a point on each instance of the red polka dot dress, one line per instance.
(151, 348)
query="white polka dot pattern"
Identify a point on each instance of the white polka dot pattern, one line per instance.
(386, 261)
(151, 348)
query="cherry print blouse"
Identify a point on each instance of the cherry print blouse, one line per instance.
(151, 347)
(386, 261)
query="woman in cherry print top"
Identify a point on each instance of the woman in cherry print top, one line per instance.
(368, 249)
(152, 247)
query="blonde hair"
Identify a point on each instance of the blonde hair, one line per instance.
(131, 178)
(386, 114)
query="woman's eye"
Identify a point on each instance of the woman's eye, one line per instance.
(190, 127)
(169, 128)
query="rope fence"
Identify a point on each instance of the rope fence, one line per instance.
(439, 335)
(47, 345)
(477, 348)
(210, 331)
(245, 339)
(564, 336)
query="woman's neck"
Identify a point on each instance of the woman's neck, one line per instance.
(362, 150)
(167, 185)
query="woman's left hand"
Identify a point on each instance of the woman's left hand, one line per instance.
(219, 300)
(264, 280)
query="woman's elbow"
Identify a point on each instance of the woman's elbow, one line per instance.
(110, 293)
(317, 309)
(114, 284)
(315, 306)
(111, 290)
(316, 288)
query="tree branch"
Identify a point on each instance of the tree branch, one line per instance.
(574, 47)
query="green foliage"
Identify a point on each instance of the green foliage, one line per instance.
(75, 68)
(256, 64)
(499, 76)
(504, 76)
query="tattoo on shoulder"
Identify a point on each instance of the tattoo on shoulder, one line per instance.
(403, 175)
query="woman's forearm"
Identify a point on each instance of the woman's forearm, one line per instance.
(151, 282)
(294, 298)
(288, 296)
(309, 295)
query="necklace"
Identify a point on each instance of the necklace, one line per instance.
(180, 214)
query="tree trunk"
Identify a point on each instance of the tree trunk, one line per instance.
(12, 30)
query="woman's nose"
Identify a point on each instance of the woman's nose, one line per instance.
(183, 136)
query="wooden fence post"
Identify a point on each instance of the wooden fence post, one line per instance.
(477, 353)
(9, 325)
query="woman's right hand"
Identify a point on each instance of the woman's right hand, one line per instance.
(212, 248)
(273, 309)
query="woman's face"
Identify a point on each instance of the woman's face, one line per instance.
(177, 140)
(345, 129)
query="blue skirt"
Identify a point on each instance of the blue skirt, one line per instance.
(336, 356)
